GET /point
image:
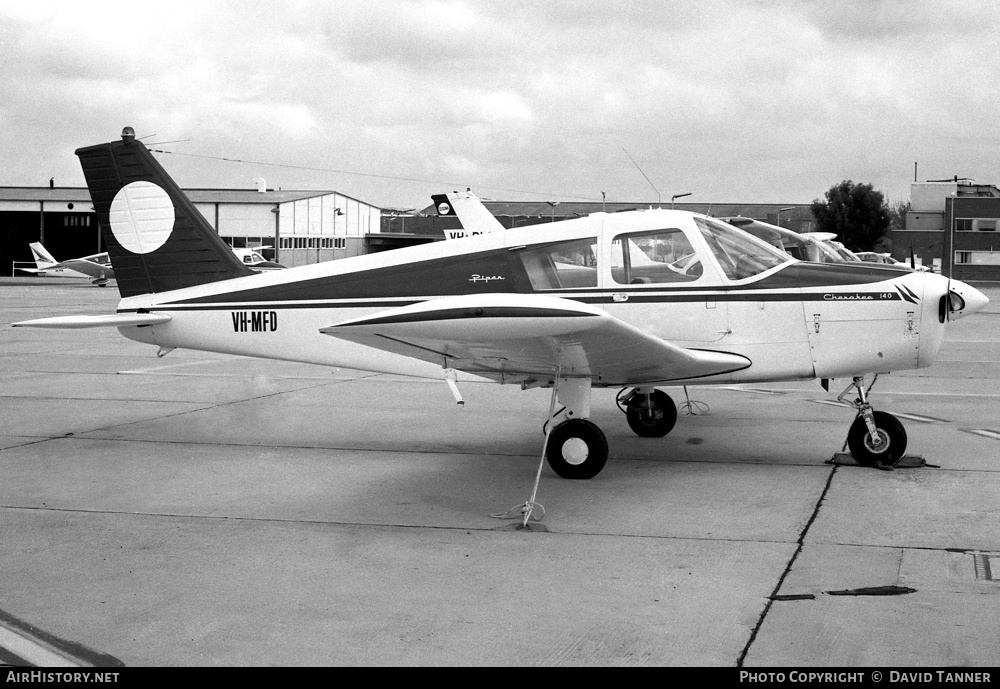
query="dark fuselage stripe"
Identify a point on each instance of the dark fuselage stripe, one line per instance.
(613, 297)
(450, 276)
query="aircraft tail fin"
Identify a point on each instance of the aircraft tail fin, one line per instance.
(157, 240)
(43, 258)
(474, 216)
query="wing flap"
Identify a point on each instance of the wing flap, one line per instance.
(516, 335)
(117, 320)
(479, 316)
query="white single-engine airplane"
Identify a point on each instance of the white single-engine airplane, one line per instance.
(629, 300)
(254, 260)
(96, 267)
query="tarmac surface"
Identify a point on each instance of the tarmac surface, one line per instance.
(209, 510)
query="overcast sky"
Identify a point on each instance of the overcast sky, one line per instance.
(391, 101)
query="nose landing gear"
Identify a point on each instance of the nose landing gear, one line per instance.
(875, 437)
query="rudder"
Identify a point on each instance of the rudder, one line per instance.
(156, 239)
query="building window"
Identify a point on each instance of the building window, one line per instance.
(339, 243)
(978, 258)
(963, 224)
(76, 220)
(987, 225)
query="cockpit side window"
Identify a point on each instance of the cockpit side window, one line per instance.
(739, 254)
(654, 258)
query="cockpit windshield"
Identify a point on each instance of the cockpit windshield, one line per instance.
(739, 254)
(800, 246)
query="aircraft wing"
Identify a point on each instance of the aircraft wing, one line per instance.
(88, 268)
(525, 337)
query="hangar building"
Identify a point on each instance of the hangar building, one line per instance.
(300, 226)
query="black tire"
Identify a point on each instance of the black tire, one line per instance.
(890, 430)
(655, 421)
(577, 449)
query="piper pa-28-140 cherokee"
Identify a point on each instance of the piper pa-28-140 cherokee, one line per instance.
(629, 300)
(96, 267)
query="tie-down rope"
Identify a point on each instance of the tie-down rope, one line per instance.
(527, 509)
(692, 407)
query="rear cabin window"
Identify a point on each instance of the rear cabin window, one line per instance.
(566, 265)
(654, 258)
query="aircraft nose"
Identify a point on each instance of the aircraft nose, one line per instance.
(964, 299)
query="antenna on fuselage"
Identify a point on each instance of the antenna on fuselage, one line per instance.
(659, 202)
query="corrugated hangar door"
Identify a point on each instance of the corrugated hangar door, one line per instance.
(246, 220)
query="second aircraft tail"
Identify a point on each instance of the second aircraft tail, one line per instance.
(43, 259)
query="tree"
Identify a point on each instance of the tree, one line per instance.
(897, 214)
(856, 213)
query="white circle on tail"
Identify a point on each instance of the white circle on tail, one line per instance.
(142, 217)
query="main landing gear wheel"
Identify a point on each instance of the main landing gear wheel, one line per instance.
(577, 449)
(652, 419)
(891, 445)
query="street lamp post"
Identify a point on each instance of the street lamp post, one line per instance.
(678, 196)
(790, 208)
(951, 239)
(553, 204)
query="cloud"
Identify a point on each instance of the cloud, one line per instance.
(754, 101)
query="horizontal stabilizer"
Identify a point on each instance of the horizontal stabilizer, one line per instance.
(117, 320)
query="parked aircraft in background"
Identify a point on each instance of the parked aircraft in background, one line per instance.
(830, 240)
(631, 300)
(874, 257)
(253, 259)
(96, 267)
(476, 219)
(800, 246)
(886, 259)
